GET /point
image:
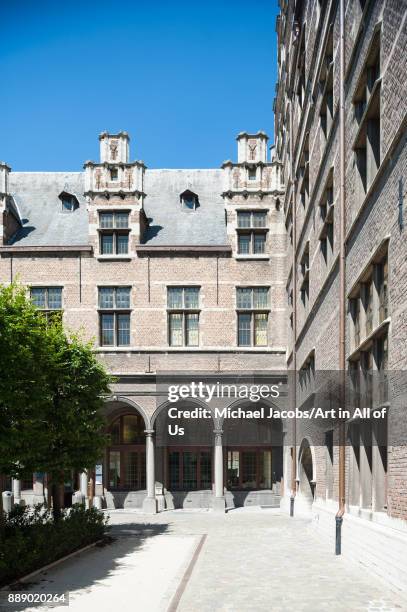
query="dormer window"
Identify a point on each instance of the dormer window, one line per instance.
(69, 201)
(114, 175)
(189, 200)
(252, 174)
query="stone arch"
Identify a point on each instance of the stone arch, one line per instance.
(253, 455)
(181, 403)
(122, 405)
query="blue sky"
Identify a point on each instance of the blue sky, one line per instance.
(183, 78)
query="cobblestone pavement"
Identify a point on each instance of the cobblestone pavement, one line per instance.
(251, 560)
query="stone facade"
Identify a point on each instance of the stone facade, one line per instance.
(309, 132)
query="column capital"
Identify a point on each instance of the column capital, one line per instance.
(149, 432)
(218, 432)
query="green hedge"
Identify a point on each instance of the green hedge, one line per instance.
(32, 539)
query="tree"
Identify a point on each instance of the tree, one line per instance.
(77, 382)
(23, 384)
(51, 395)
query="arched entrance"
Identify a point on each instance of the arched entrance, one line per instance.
(124, 474)
(253, 459)
(184, 463)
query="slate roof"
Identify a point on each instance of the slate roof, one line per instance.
(45, 224)
(169, 223)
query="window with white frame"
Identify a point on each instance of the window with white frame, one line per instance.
(252, 304)
(114, 316)
(251, 232)
(183, 316)
(114, 232)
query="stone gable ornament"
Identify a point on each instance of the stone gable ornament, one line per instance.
(114, 145)
(98, 178)
(252, 149)
(236, 178)
(267, 177)
(128, 178)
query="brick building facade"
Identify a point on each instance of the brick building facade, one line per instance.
(340, 133)
(177, 271)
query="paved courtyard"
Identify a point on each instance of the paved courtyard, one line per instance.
(247, 560)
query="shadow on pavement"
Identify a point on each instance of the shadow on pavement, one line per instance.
(84, 570)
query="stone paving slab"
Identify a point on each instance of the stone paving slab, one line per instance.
(251, 561)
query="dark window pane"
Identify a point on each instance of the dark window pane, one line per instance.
(244, 297)
(122, 220)
(67, 204)
(123, 329)
(259, 219)
(174, 465)
(190, 468)
(189, 202)
(174, 297)
(114, 469)
(114, 431)
(107, 329)
(123, 297)
(122, 243)
(55, 297)
(106, 297)
(243, 219)
(260, 297)
(244, 327)
(191, 297)
(249, 470)
(133, 429)
(131, 464)
(38, 297)
(233, 471)
(206, 470)
(259, 245)
(106, 220)
(175, 329)
(107, 244)
(244, 241)
(192, 329)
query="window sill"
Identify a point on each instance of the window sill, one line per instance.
(249, 257)
(376, 333)
(114, 257)
(191, 349)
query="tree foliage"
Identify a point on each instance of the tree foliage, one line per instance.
(51, 393)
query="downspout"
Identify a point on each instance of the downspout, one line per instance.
(342, 280)
(294, 264)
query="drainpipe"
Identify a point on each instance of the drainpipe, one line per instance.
(294, 264)
(342, 280)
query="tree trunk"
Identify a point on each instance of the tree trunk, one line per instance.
(56, 500)
(91, 487)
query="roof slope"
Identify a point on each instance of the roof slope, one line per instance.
(169, 223)
(44, 222)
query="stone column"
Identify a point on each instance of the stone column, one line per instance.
(150, 502)
(16, 486)
(83, 480)
(219, 504)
